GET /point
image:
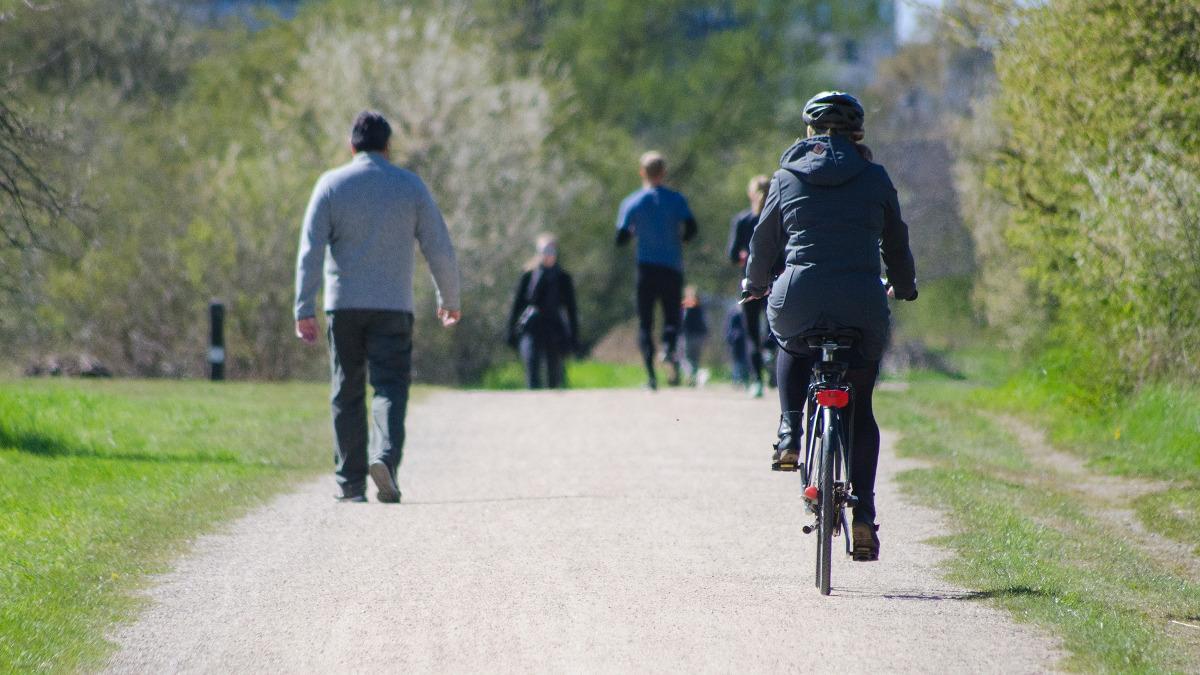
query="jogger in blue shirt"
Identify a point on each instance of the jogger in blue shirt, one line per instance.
(660, 220)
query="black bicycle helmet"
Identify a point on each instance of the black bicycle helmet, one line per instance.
(834, 110)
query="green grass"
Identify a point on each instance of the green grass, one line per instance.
(1173, 513)
(100, 483)
(1154, 433)
(1033, 548)
(580, 375)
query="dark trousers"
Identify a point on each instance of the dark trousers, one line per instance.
(658, 285)
(794, 373)
(534, 350)
(364, 344)
(752, 312)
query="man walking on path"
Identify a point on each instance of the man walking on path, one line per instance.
(661, 221)
(366, 215)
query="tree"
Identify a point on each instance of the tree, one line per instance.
(30, 203)
(1097, 135)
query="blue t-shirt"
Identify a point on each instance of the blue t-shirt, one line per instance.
(655, 215)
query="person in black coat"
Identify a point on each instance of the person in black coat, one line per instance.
(543, 324)
(834, 213)
(740, 230)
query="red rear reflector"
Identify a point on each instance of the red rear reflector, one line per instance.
(833, 398)
(811, 493)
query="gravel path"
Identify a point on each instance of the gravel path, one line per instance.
(594, 531)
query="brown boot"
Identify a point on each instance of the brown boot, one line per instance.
(787, 448)
(866, 541)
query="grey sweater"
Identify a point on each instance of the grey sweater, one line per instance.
(367, 214)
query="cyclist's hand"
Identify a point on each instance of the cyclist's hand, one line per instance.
(749, 294)
(306, 329)
(891, 291)
(449, 317)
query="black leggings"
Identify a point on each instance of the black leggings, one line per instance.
(794, 373)
(658, 285)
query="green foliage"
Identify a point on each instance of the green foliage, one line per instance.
(1098, 165)
(943, 317)
(100, 482)
(195, 145)
(1154, 432)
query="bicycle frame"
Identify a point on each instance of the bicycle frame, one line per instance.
(827, 374)
(828, 395)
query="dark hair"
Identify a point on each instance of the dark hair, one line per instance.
(370, 132)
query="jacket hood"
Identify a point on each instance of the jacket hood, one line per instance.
(824, 160)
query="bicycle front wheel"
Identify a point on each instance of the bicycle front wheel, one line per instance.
(826, 519)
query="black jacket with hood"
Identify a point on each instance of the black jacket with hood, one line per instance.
(544, 305)
(833, 213)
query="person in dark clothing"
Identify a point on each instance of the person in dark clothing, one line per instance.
(695, 333)
(740, 230)
(661, 221)
(833, 212)
(543, 324)
(735, 339)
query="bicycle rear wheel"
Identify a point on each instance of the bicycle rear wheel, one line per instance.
(826, 519)
(812, 474)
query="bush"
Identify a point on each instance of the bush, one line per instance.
(1098, 166)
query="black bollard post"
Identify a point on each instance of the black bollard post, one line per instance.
(216, 342)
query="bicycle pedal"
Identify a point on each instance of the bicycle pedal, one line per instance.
(784, 466)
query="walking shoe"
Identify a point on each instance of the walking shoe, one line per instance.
(866, 541)
(787, 448)
(652, 384)
(382, 475)
(755, 389)
(351, 498)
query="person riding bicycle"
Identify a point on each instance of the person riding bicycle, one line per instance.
(833, 211)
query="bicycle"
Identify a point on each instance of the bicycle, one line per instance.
(827, 444)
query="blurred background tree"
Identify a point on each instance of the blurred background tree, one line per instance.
(194, 134)
(155, 154)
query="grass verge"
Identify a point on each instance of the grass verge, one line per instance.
(101, 481)
(580, 375)
(1034, 548)
(1152, 433)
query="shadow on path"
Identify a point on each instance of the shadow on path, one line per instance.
(937, 594)
(47, 445)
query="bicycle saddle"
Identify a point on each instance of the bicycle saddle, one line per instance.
(844, 338)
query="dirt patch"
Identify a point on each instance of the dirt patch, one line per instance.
(1110, 498)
